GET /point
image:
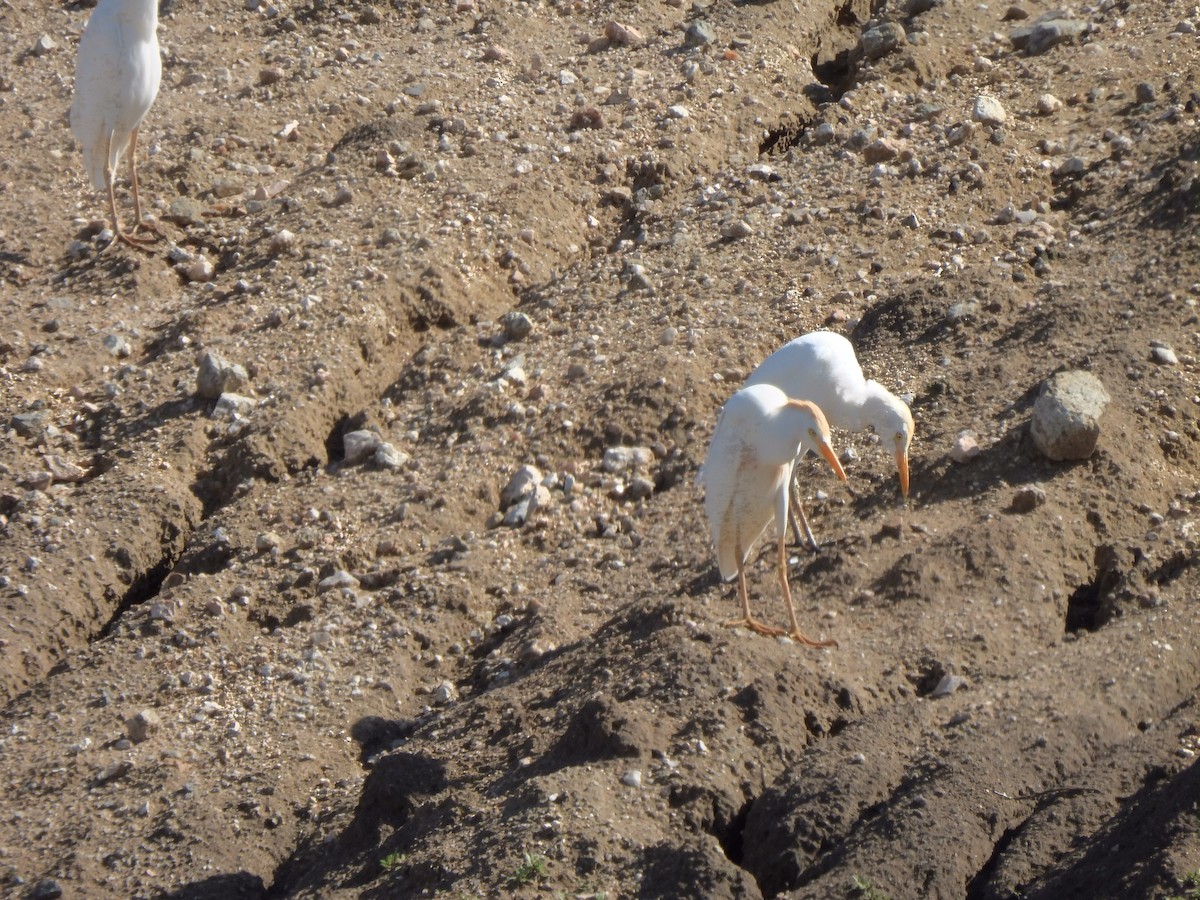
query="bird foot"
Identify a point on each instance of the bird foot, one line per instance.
(801, 638)
(756, 626)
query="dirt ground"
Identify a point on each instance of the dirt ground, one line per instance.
(245, 656)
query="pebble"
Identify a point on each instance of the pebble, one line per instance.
(444, 693)
(31, 424)
(46, 889)
(217, 376)
(62, 469)
(1066, 415)
(1048, 105)
(632, 778)
(233, 406)
(358, 445)
(281, 242)
(267, 541)
(117, 346)
(521, 484)
(517, 326)
(699, 34)
(43, 45)
(966, 447)
(1028, 498)
(389, 457)
(142, 725)
(624, 460)
(1163, 355)
(948, 685)
(338, 580)
(882, 39)
(1072, 165)
(735, 229)
(1045, 32)
(1145, 92)
(989, 111)
(880, 150)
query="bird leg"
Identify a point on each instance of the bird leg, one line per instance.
(747, 620)
(118, 234)
(139, 223)
(795, 634)
(795, 509)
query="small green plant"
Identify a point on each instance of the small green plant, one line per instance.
(533, 868)
(392, 861)
(864, 890)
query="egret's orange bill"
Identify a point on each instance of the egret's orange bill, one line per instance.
(902, 465)
(827, 452)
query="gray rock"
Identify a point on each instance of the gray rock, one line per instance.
(142, 725)
(1046, 31)
(389, 457)
(517, 326)
(338, 580)
(989, 111)
(46, 889)
(822, 134)
(882, 39)
(1028, 498)
(948, 685)
(520, 486)
(619, 460)
(358, 445)
(117, 346)
(31, 424)
(218, 376)
(1066, 416)
(1163, 355)
(230, 406)
(1145, 92)
(699, 34)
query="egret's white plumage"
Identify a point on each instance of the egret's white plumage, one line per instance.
(746, 474)
(821, 367)
(117, 74)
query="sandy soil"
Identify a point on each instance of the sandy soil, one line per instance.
(238, 662)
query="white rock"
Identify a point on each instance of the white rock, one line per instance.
(989, 111)
(1048, 105)
(633, 778)
(966, 446)
(358, 445)
(1066, 415)
(622, 460)
(522, 483)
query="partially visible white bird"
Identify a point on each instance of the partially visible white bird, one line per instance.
(821, 367)
(117, 73)
(746, 474)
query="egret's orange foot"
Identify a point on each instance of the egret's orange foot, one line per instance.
(756, 626)
(801, 638)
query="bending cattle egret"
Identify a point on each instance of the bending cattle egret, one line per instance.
(821, 367)
(116, 80)
(746, 475)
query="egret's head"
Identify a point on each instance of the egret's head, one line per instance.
(893, 422)
(816, 434)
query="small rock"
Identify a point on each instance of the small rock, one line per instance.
(358, 445)
(1045, 32)
(197, 269)
(632, 778)
(270, 75)
(233, 406)
(281, 242)
(882, 39)
(1145, 92)
(43, 45)
(444, 693)
(112, 772)
(624, 460)
(620, 35)
(217, 376)
(640, 488)
(1028, 498)
(46, 889)
(1014, 14)
(1072, 165)
(338, 580)
(988, 111)
(1066, 415)
(948, 685)
(1048, 105)
(880, 150)
(699, 34)
(62, 469)
(267, 541)
(520, 485)
(389, 457)
(142, 725)
(117, 346)
(966, 447)
(31, 424)
(589, 117)
(517, 326)
(1163, 355)
(735, 229)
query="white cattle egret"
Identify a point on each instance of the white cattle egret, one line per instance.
(746, 475)
(821, 367)
(117, 74)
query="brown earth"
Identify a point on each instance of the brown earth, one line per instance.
(555, 709)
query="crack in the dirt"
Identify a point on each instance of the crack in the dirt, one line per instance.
(144, 587)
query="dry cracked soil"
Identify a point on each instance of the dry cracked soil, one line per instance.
(243, 655)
